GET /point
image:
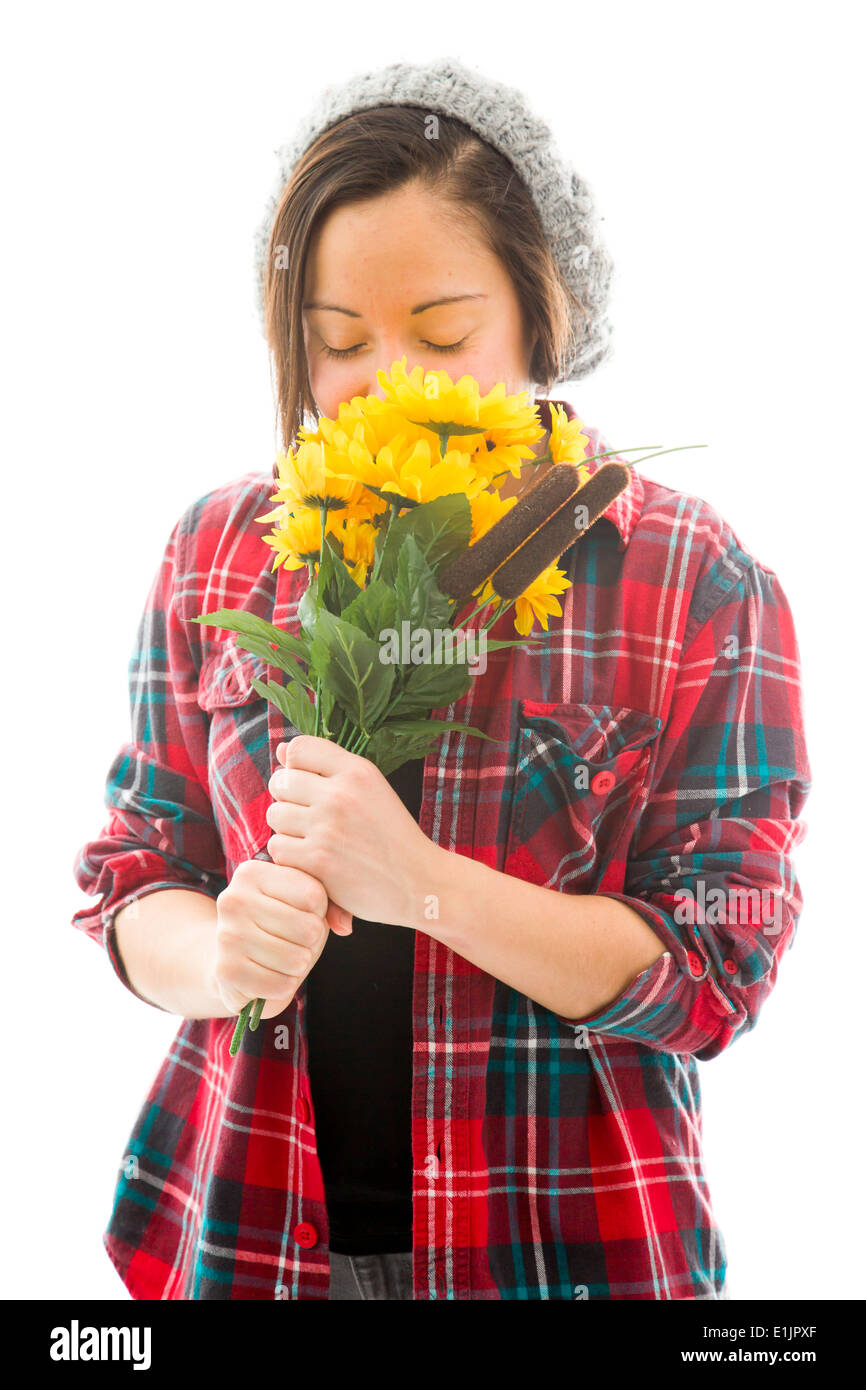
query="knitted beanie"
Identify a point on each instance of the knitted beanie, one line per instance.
(500, 115)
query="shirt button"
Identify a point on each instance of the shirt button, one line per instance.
(695, 963)
(302, 1109)
(602, 783)
(730, 966)
(305, 1234)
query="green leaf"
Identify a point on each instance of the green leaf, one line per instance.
(419, 600)
(437, 684)
(324, 573)
(390, 751)
(411, 726)
(291, 700)
(441, 530)
(281, 660)
(349, 660)
(307, 610)
(374, 608)
(253, 626)
(328, 704)
(319, 660)
(395, 743)
(302, 711)
(408, 711)
(336, 585)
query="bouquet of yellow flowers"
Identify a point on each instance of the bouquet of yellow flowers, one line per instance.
(394, 509)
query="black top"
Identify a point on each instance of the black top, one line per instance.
(359, 1031)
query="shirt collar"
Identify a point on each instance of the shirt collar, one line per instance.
(625, 509)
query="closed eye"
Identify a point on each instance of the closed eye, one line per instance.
(350, 352)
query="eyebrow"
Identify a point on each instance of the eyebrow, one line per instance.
(419, 308)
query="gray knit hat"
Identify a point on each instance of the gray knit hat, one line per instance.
(500, 115)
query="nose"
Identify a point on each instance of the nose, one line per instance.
(391, 350)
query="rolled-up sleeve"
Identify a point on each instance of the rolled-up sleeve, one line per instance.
(160, 831)
(710, 867)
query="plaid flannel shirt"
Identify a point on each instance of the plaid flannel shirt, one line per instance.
(651, 750)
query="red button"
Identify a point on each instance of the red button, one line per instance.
(602, 783)
(302, 1109)
(305, 1234)
(696, 965)
(730, 966)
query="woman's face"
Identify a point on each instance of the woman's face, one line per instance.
(404, 275)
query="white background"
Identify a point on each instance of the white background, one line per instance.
(724, 146)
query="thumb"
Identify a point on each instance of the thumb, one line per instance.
(338, 919)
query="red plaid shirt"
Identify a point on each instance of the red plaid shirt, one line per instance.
(652, 751)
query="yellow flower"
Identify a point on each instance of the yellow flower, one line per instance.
(368, 421)
(487, 508)
(378, 453)
(567, 444)
(430, 396)
(567, 440)
(358, 539)
(411, 471)
(307, 479)
(493, 461)
(537, 600)
(431, 400)
(297, 539)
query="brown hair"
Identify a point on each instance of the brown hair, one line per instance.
(374, 152)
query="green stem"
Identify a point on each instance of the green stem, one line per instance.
(527, 463)
(473, 614)
(675, 450)
(546, 458)
(250, 1015)
(239, 1028)
(497, 614)
(322, 514)
(377, 561)
(359, 738)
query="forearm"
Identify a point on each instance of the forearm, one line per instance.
(166, 943)
(571, 953)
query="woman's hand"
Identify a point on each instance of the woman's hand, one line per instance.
(336, 817)
(272, 925)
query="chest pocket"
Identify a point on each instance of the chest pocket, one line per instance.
(238, 763)
(225, 678)
(579, 774)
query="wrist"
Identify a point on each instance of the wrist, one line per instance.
(424, 890)
(438, 886)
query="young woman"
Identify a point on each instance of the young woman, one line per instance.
(489, 1088)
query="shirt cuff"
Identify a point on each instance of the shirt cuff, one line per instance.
(678, 994)
(106, 916)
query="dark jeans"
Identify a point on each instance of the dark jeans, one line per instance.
(371, 1276)
(382, 1276)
